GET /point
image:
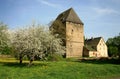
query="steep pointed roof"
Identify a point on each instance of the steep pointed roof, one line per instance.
(70, 16)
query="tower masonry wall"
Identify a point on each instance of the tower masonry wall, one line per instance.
(74, 39)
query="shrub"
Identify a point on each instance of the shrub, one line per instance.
(55, 57)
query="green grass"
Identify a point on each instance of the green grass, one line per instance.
(11, 69)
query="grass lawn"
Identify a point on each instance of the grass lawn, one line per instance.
(11, 69)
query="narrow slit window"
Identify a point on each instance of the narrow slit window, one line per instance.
(72, 31)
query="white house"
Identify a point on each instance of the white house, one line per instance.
(95, 47)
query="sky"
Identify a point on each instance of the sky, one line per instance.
(100, 17)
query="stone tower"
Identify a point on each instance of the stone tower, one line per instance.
(69, 28)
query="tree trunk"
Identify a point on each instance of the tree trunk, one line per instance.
(20, 59)
(31, 60)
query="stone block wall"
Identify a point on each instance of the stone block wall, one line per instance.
(74, 40)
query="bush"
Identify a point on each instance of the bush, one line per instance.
(55, 57)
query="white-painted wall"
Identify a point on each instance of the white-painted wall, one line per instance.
(102, 49)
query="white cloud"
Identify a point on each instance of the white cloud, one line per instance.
(105, 11)
(49, 3)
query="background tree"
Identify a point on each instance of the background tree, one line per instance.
(114, 46)
(4, 39)
(35, 41)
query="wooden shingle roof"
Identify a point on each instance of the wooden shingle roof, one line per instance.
(69, 16)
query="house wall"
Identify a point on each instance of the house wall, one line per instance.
(74, 39)
(85, 52)
(102, 49)
(93, 53)
(88, 53)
